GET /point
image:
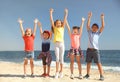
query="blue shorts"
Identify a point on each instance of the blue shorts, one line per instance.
(29, 54)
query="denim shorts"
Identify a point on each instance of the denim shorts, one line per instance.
(29, 54)
(92, 54)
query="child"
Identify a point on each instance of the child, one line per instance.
(45, 54)
(28, 37)
(92, 51)
(75, 51)
(58, 29)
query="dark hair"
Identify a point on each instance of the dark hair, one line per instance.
(76, 27)
(52, 29)
(47, 33)
(95, 24)
(56, 21)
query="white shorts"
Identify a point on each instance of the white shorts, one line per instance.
(59, 52)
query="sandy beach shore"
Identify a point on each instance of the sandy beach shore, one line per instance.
(12, 72)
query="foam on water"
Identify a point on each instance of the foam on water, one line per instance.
(106, 68)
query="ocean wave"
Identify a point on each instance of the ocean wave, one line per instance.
(106, 68)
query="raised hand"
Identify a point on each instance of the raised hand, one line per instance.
(39, 24)
(51, 10)
(36, 21)
(83, 19)
(89, 14)
(102, 15)
(20, 20)
(66, 11)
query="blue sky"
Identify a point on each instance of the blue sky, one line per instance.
(11, 10)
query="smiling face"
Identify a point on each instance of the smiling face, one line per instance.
(75, 30)
(58, 23)
(28, 32)
(45, 36)
(95, 28)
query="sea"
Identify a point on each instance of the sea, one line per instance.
(110, 59)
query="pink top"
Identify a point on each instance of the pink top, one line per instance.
(75, 41)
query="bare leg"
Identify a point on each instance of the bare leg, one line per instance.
(25, 64)
(48, 70)
(88, 68)
(71, 63)
(100, 68)
(79, 64)
(32, 65)
(44, 69)
(61, 68)
(57, 66)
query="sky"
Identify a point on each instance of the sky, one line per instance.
(28, 10)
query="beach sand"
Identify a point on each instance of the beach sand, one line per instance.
(12, 72)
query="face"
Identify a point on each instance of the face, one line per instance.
(28, 32)
(58, 23)
(45, 36)
(94, 28)
(75, 31)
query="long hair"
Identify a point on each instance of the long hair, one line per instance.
(56, 22)
(52, 28)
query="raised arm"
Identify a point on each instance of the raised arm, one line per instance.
(40, 26)
(68, 27)
(82, 24)
(21, 26)
(89, 19)
(65, 17)
(35, 26)
(103, 22)
(51, 17)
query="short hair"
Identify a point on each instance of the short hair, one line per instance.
(46, 31)
(76, 27)
(95, 24)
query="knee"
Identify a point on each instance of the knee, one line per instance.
(25, 62)
(71, 62)
(61, 61)
(31, 61)
(78, 61)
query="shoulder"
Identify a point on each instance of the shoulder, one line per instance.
(99, 32)
(33, 36)
(89, 31)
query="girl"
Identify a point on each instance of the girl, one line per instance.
(45, 54)
(28, 37)
(75, 50)
(58, 28)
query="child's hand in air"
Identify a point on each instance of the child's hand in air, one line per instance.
(51, 10)
(102, 15)
(89, 14)
(20, 21)
(36, 21)
(83, 19)
(39, 24)
(66, 11)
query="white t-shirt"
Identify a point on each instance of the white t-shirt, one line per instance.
(93, 39)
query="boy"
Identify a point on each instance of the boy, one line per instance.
(92, 51)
